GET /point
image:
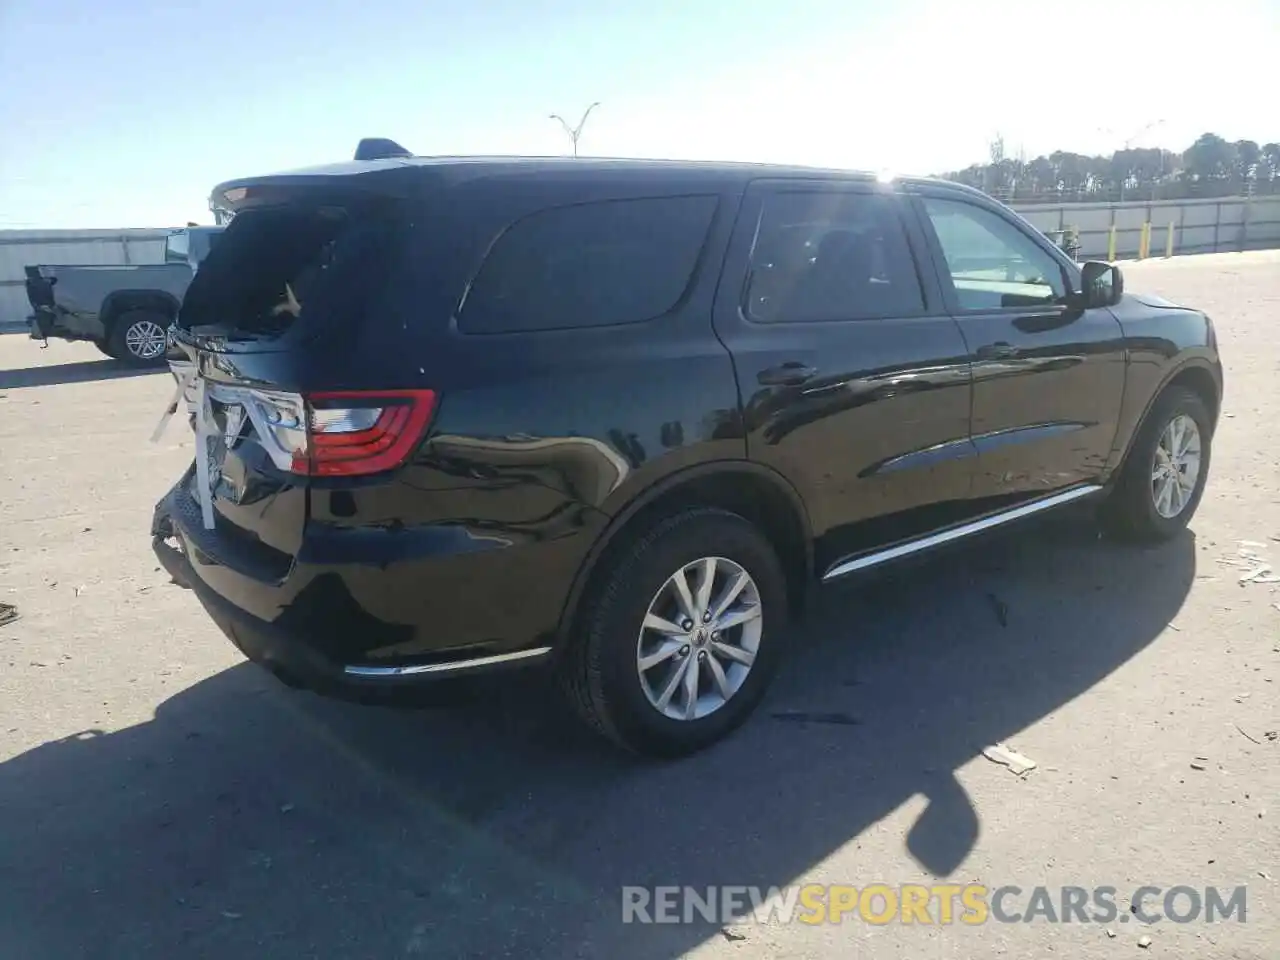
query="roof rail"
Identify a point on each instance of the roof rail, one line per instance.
(379, 148)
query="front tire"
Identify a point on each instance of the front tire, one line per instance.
(139, 338)
(681, 637)
(1164, 475)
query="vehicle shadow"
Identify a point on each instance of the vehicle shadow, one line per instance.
(246, 820)
(81, 371)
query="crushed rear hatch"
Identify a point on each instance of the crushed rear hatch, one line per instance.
(282, 279)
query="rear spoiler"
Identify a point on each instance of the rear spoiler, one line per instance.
(228, 197)
(379, 148)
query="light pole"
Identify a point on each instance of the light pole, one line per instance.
(1150, 126)
(1129, 143)
(575, 132)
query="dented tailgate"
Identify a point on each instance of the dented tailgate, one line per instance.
(241, 487)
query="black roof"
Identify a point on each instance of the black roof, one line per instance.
(411, 175)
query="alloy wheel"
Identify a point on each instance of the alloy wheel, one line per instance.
(145, 339)
(699, 639)
(1175, 467)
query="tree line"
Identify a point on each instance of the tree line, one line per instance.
(1210, 167)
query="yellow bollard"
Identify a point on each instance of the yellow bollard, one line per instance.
(1168, 244)
(1144, 241)
(1111, 245)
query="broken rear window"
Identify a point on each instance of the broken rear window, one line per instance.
(276, 266)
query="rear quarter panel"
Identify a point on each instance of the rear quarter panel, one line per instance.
(599, 413)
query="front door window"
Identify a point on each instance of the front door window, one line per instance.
(992, 263)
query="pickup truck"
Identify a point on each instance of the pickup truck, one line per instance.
(126, 310)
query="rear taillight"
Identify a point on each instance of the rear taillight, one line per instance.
(353, 433)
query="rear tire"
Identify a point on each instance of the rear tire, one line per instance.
(726, 651)
(139, 338)
(1163, 477)
(105, 347)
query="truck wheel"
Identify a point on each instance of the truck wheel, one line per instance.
(139, 337)
(105, 347)
(1163, 477)
(681, 637)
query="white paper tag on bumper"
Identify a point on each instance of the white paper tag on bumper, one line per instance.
(179, 397)
(202, 455)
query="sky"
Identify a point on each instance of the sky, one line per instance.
(127, 112)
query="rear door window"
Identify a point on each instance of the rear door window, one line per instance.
(589, 265)
(831, 255)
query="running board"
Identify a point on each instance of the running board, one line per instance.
(990, 522)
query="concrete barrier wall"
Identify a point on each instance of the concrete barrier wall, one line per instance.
(1199, 226)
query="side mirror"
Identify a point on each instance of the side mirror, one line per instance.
(1101, 284)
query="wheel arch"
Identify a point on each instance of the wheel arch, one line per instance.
(1197, 378)
(1195, 374)
(752, 490)
(121, 301)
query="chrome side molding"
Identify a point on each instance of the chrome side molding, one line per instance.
(384, 673)
(865, 561)
(838, 570)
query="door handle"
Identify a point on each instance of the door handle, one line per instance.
(789, 374)
(997, 351)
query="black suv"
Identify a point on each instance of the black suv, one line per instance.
(617, 417)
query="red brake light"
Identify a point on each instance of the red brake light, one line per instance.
(353, 433)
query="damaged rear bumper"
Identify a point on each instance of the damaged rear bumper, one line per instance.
(290, 649)
(291, 661)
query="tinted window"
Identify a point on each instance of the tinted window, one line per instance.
(831, 256)
(992, 263)
(592, 264)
